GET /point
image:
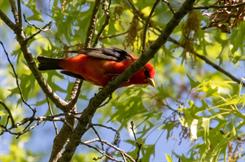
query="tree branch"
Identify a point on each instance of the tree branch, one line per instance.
(215, 66)
(17, 15)
(9, 113)
(169, 6)
(23, 41)
(98, 150)
(219, 6)
(27, 123)
(106, 8)
(112, 146)
(97, 134)
(92, 24)
(147, 24)
(52, 113)
(91, 29)
(75, 94)
(62, 138)
(45, 87)
(31, 63)
(209, 62)
(46, 27)
(87, 115)
(14, 10)
(138, 145)
(114, 35)
(19, 22)
(117, 135)
(142, 17)
(17, 80)
(7, 21)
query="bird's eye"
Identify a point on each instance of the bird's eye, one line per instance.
(147, 73)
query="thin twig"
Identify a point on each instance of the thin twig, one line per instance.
(19, 22)
(14, 10)
(112, 146)
(9, 23)
(9, 113)
(57, 117)
(209, 62)
(116, 137)
(17, 15)
(106, 8)
(123, 157)
(141, 17)
(135, 10)
(91, 29)
(169, 6)
(8, 131)
(74, 94)
(63, 136)
(219, 6)
(45, 28)
(29, 121)
(218, 68)
(107, 127)
(51, 112)
(97, 134)
(88, 113)
(117, 134)
(38, 120)
(30, 24)
(92, 24)
(147, 24)
(138, 145)
(31, 63)
(101, 152)
(172, 109)
(132, 129)
(113, 36)
(16, 80)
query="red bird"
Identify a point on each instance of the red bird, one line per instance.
(99, 66)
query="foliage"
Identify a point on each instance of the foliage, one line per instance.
(198, 106)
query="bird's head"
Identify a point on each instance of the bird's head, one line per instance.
(144, 76)
(149, 74)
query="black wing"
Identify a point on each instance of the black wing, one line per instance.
(114, 54)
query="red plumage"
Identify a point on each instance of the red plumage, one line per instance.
(99, 66)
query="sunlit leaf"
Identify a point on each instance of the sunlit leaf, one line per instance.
(168, 158)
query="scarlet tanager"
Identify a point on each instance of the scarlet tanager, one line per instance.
(99, 66)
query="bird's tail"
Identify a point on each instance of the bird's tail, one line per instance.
(46, 63)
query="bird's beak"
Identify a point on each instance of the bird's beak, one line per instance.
(151, 82)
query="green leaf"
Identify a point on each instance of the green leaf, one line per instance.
(206, 127)
(2, 113)
(168, 158)
(193, 128)
(192, 82)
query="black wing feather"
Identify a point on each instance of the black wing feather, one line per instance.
(114, 54)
